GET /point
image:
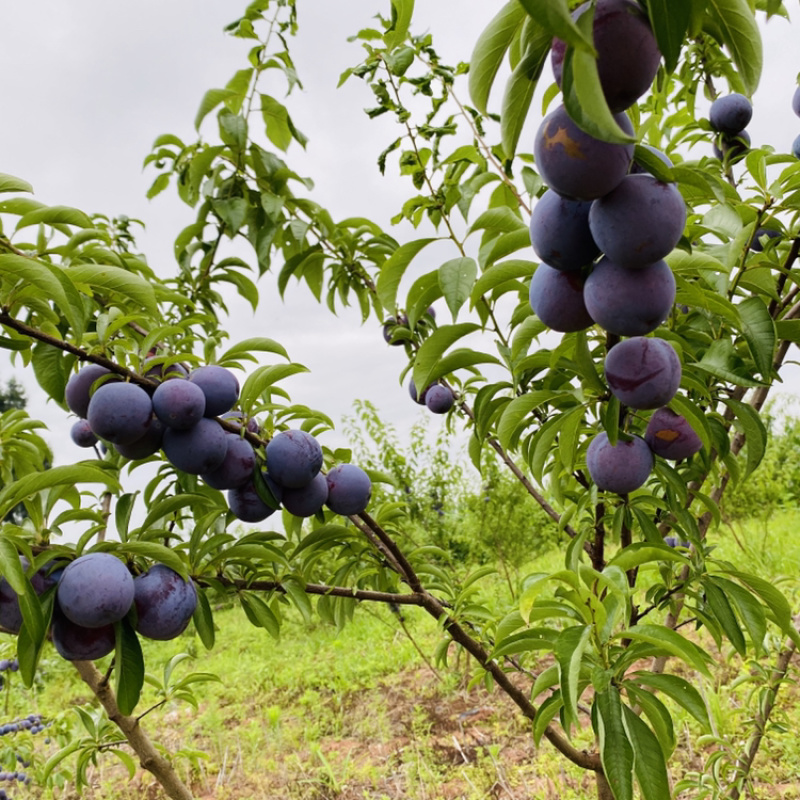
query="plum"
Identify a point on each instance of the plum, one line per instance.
(560, 232)
(796, 147)
(95, 590)
(147, 445)
(629, 302)
(120, 412)
(10, 612)
(730, 114)
(78, 391)
(179, 403)
(164, 603)
(246, 504)
(620, 468)
(389, 328)
(235, 418)
(762, 237)
(220, 387)
(732, 147)
(349, 489)
(575, 164)
(294, 457)
(639, 169)
(670, 436)
(627, 52)
(796, 101)
(81, 433)
(198, 450)
(237, 466)
(306, 501)
(412, 390)
(643, 372)
(79, 643)
(162, 372)
(639, 222)
(557, 298)
(439, 398)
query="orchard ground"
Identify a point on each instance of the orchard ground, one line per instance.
(359, 713)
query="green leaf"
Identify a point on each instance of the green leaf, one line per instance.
(670, 642)
(569, 650)
(616, 752)
(247, 347)
(129, 666)
(260, 614)
(262, 378)
(516, 413)
(55, 215)
(51, 368)
(638, 553)
(489, 50)
(648, 758)
(773, 598)
(723, 613)
(679, 690)
(276, 120)
(402, 11)
(456, 279)
(211, 99)
(498, 274)
(759, 331)
(128, 285)
(670, 22)
(735, 21)
(583, 95)
(8, 183)
(521, 86)
(721, 361)
(393, 269)
(754, 430)
(749, 609)
(204, 620)
(498, 219)
(658, 715)
(434, 347)
(554, 16)
(153, 551)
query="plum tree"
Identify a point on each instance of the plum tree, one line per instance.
(629, 302)
(198, 450)
(349, 489)
(643, 372)
(557, 298)
(179, 403)
(560, 232)
(670, 436)
(95, 590)
(639, 222)
(120, 412)
(307, 500)
(730, 114)
(627, 53)
(237, 466)
(294, 457)
(620, 468)
(164, 602)
(220, 387)
(575, 164)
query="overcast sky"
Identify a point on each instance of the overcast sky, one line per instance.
(87, 86)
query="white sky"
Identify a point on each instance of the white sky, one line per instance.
(87, 85)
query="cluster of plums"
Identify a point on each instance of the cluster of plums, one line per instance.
(181, 417)
(97, 590)
(729, 116)
(33, 723)
(601, 231)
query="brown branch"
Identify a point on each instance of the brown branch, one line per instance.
(149, 758)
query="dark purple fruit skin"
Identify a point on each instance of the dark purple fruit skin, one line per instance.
(757, 246)
(95, 590)
(78, 643)
(237, 466)
(156, 371)
(638, 169)
(246, 505)
(179, 403)
(560, 232)
(732, 147)
(557, 298)
(305, 502)
(643, 372)
(78, 391)
(236, 417)
(120, 412)
(10, 612)
(149, 444)
(389, 327)
(639, 222)
(412, 390)
(576, 165)
(220, 387)
(82, 435)
(349, 489)
(627, 53)
(294, 457)
(731, 113)
(629, 302)
(164, 603)
(439, 398)
(796, 147)
(199, 450)
(620, 469)
(670, 436)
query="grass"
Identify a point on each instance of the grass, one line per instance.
(324, 714)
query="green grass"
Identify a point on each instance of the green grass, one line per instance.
(358, 713)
